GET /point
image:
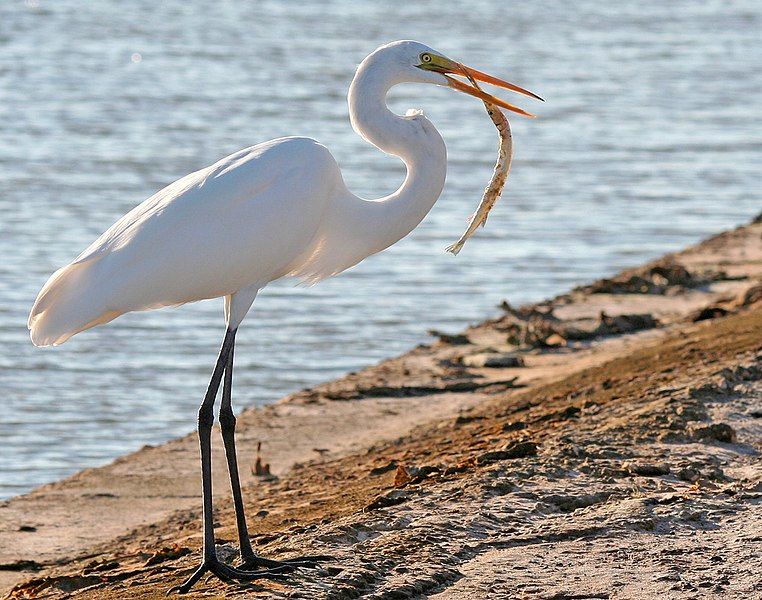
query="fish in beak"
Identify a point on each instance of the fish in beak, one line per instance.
(447, 67)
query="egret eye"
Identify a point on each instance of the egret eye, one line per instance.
(425, 58)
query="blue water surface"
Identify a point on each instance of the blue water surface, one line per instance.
(650, 139)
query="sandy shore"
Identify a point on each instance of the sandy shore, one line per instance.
(603, 444)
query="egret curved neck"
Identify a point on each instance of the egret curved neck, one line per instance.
(412, 138)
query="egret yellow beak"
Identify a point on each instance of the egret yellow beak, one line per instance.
(440, 64)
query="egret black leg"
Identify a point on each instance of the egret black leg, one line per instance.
(249, 559)
(205, 422)
(227, 427)
(210, 563)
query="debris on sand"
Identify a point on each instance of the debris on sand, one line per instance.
(509, 452)
(390, 498)
(750, 296)
(385, 468)
(457, 339)
(260, 469)
(165, 554)
(542, 329)
(720, 432)
(706, 313)
(646, 469)
(493, 360)
(401, 477)
(664, 277)
(620, 324)
(745, 299)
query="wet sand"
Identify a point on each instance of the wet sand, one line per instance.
(603, 444)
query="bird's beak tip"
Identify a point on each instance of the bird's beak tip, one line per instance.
(473, 74)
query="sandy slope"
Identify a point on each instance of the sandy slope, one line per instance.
(619, 487)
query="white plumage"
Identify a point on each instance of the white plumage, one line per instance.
(212, 233)
(279, 208)
(276, 209)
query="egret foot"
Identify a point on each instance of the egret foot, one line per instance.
(252, 561)
(226, 573)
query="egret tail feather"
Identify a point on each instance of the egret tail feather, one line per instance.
(66, 305)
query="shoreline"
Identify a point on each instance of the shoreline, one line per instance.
(149, 499)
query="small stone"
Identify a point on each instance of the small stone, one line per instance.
(722, 432)
(500, 488)
(167, 553)
(647, 469)
(751, 296)
(493, 361)
(555, 341)
(390, 498)
(463, 419)
(570, 412)
(628, 323)
(380, 470)
(708, 312)
(570, 503)
(457, 339)
(688, 474)
(401, 477)
(511, 451)
(715, 474)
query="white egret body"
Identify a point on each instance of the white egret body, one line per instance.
(273, 210)
(279, 208)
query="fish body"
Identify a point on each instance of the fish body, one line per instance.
(499, 175)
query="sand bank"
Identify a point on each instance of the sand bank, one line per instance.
(605, 442)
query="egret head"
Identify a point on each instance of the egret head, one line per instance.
(425, 65)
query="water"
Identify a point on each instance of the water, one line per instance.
(650, 140)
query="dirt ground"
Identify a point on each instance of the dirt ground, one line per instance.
(603, 444)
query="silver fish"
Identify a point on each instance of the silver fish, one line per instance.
(499, 175)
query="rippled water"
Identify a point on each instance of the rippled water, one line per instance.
(650, 140)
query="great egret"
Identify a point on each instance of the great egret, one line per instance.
(273, 210)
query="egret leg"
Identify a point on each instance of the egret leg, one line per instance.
(249, 558)
(227, 427)
(210, 562)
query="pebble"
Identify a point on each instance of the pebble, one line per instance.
(688, 474)
(514, 450)
(647, 469)
(722, 432)
(493, 361)
(457, 339)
